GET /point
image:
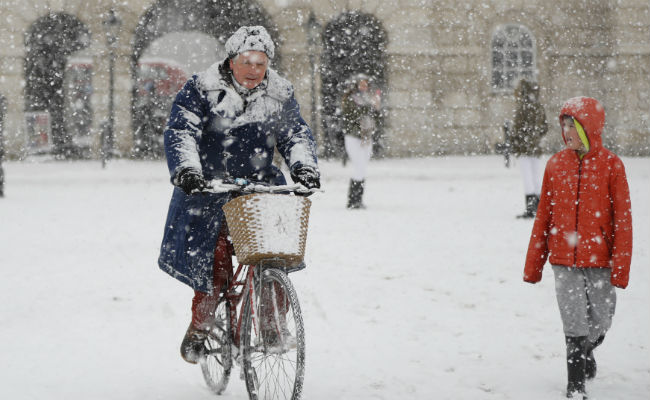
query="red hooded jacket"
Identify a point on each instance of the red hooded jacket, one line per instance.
(584, 217)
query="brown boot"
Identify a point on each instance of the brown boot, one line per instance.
(192, 347)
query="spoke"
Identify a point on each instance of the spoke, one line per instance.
(276, 376)
(217, 361)
(274, 379)
(274, 369)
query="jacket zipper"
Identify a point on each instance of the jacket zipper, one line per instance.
(575, 250)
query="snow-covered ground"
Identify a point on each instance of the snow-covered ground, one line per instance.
(419, 296)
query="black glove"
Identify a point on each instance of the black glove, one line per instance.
(306, 176)
(190, 180)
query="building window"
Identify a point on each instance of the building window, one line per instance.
(513, 56)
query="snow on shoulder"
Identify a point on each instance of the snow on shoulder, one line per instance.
(227, 103)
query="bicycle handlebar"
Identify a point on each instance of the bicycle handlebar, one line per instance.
(241, 185)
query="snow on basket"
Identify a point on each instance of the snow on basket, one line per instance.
(267, 226)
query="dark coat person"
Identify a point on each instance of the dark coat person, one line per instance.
(360, 111)
(224, 124)
(217, 133)
(530, 123)
(529, 127)
(3, 111)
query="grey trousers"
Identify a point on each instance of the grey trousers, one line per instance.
(587, 300)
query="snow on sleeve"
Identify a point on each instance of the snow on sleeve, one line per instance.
(183, 130)
(190, 117)
(186, 154)
(300, 153)
(295, 141)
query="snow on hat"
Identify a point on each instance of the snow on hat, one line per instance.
(248, 38)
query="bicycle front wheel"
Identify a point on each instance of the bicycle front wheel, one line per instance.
(217, 361)
(273, 339)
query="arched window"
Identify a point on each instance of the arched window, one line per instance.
(185, 34)
(49, 42)
(513, 56)
(353, 42)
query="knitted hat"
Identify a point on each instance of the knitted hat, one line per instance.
(248, 38)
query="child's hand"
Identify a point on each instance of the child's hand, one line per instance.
(532, 279)
(618, 278)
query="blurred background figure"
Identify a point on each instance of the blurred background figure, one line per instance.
(361, 111)
(158, 81)
(3, 109)
(529, 127)
(77, 107)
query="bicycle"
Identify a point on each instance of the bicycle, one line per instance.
(258, 323)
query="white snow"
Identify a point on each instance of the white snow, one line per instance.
(191, 118)
(418, 297)
(575, 103)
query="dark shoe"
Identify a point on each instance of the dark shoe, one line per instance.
(279, 340)
(576, 352)
(535, 203)
(192, 347)
(590, 364)
(590, 367)
(271, 338)
(576, 395)
(355, 194)
(532, 201)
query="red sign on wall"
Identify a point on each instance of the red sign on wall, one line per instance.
(38, 128)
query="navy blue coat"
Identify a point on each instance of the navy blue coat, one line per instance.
(213, 130)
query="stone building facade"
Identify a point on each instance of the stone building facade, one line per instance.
(450, 65)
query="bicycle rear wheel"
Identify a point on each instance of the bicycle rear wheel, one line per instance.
(273, 340)
(217, 362)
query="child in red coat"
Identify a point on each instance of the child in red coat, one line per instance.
(584, 228)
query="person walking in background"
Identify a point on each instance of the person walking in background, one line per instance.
(584, 227)
(361, 116)
(3, 110)
(528, 129)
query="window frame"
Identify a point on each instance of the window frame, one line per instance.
(518, 71)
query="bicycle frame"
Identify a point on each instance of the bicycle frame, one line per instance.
(232, 295)
(241, 286)
(265, 329)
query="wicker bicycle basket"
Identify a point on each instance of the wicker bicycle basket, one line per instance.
(270, 227)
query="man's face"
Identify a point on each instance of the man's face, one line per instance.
(363, 85)
(249, 68)
(571, 137)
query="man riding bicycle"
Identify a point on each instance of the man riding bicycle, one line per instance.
(224, 124)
